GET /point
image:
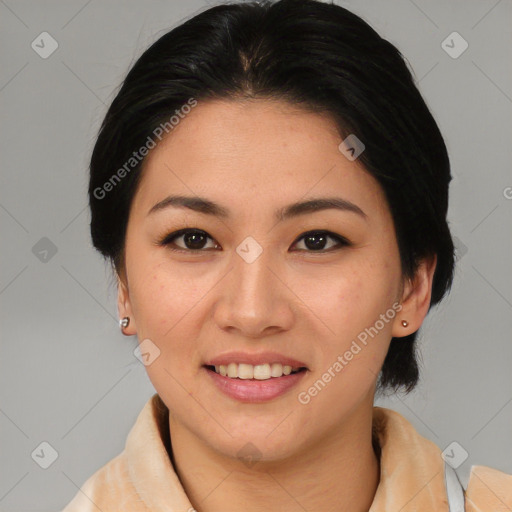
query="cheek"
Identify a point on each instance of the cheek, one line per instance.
(163, 304)
(350, 298)
(349, 304)
(160, 297)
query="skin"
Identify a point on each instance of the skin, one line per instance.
(253, 157)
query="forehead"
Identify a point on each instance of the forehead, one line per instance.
(243, 152)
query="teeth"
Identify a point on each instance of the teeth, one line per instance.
(245, 371)
(259, 372)
(232, 370)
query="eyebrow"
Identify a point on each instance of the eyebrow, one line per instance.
(207, 207)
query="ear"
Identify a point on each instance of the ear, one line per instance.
(124, 306)
(415, 300)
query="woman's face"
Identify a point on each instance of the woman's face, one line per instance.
(249, 287)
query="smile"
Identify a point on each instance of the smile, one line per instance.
(259, 372)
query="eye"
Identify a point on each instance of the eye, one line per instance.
(194, 241)
(316, 240)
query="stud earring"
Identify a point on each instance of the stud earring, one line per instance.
(405, 323)
(124, 322)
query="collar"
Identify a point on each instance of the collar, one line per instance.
(411, 466)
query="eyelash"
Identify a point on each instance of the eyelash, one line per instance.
(168, 240)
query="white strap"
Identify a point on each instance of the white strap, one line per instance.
(454, 489)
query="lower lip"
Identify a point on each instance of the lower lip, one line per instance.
(255, 391)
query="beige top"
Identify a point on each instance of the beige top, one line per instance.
(142, 477)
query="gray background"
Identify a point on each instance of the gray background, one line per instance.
(70, 378)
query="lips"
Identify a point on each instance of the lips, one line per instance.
(255, 377)
(253, 390)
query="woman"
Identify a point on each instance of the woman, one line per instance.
(272, 192)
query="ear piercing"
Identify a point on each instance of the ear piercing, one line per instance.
(405, 323)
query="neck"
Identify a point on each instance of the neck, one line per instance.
(340, 473)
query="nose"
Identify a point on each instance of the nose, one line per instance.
(254, 298)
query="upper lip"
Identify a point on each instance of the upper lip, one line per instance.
(254, 359)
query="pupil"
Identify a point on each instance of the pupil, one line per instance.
(313, 245)
(190, 239)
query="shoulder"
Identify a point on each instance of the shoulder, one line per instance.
(488, 489)
(109, 488)
(118, 484)
(409, 457)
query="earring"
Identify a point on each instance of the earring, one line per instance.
(124, 322)
(405, 323)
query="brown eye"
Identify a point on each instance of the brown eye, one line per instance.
(193, 239)
(315, 241)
